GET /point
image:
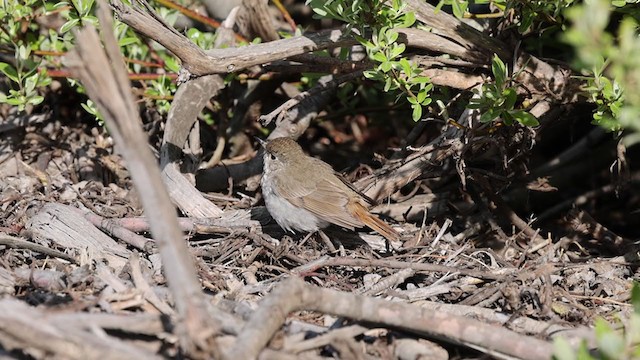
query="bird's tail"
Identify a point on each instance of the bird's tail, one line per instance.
(374, 222)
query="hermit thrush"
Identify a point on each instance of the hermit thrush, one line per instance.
(303, 193)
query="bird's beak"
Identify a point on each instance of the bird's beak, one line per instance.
(263, 143)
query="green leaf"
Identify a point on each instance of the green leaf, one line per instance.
(499, 71)
(475, 104)
(392, 36)
(417, 112)
(609, 342)
(386, 66)
(128, 41)
(365, 42)
(408, 20)
(69, 25)
(438, 7)
(510, 98)
(406, 66)
(380, 57)
(61, 4)
(525, 24)
(524, 117)
(382, 33)
(562, 350)
(459, 8)
(388, 83)
(635, 297)
(36, 100)
(30, 83)
(172, 64)
(14, 101)
(23, 52)
(489, 115)
(420, 80)
(397, 50)
(9, 71)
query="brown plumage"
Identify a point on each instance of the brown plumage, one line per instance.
(303, 193)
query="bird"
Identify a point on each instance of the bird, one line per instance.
(305, 194)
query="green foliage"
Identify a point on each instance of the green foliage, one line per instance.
(364, 15)
(36, 51)
(23, 71)
(529, 14)
(26, 77)
(80, 14)
(611, 61)
(611, 344)
(379, 19)
(497, 100)
(458, 7)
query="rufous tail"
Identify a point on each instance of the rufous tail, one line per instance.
(372, 221)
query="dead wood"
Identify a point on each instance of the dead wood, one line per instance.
(29, 330)
(14, 242)
(67, 229)
(107, 84)
(294, 295)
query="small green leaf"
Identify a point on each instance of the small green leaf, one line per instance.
(507, 118)
(14, 101)
(388, 83)
(61, 4)
(397, 50)
(172, 64)
(525, 24)
(510, 98)
(438, 7)
(9, 71)
(36, 100)
(635, 297)
(459, 8)
(421, 80)
(408, 20)
(609, 342)
(380, 57)
(489, 115)
(128, 41)
(406, 66)
(24, 52)
(392, 36)
(475, 104)
(562, 350)
(365, 42)
(30, 83)
(68, 25)
(499, 70)
(417, 112)
(524, 117)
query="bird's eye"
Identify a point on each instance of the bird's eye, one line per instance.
(273, 157)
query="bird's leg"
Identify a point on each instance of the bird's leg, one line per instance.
(306, 237)
(327, 241)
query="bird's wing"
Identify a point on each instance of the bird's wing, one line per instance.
(326, 198)
(369, 200)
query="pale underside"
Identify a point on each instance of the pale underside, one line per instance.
(298, 204)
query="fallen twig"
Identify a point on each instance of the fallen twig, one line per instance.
(294, 295)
